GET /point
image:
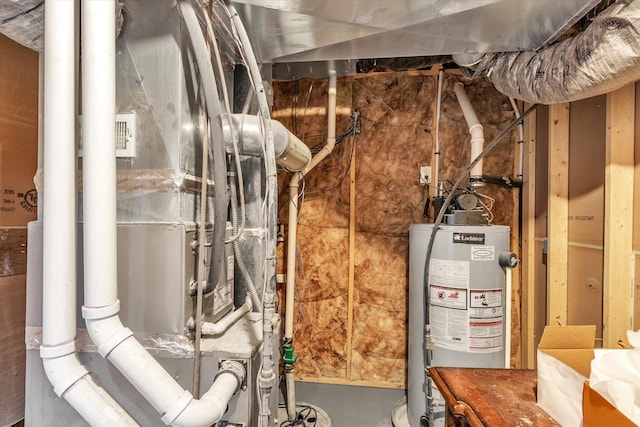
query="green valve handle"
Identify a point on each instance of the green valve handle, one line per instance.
(289, 357)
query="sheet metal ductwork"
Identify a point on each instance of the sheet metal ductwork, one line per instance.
(603, 58)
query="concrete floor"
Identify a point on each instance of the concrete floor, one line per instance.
(351, 406)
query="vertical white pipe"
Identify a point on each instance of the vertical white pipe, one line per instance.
(39, 171)
(98, 133)
(292, 234)
(436, 169)
(59, 228)
(293, 227)
(475, 128)
(69, 378)
(507, 318)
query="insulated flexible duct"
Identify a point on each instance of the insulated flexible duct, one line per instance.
(603, 58)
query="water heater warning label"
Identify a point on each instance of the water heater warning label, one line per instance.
(447, 273)
(485, 320)
(448, 297)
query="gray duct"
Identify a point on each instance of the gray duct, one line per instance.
(603, 58)
(23, 21)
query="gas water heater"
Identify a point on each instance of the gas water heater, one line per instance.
(466, 308)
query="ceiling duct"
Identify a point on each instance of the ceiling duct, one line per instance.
(603, 58)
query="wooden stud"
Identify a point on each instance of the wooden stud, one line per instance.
(342, 381)
(352, 259)
(618, 214)
(558, 214)
(516, 284)
(527, 261)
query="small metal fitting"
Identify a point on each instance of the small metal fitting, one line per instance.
(235, 367)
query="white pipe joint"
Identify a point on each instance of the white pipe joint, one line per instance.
(72, 381)
(217, 328)
(62, 367)
(291, 153)
(117, 336)
(475, 129)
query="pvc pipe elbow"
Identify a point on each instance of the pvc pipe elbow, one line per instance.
(71, 381)
(223, 324)
(213, 404)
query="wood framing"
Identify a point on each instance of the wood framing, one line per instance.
(618, 224)
(352, 260)
(527, 257)
(558, 214)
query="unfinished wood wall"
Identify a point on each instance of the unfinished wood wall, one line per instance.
(595, 261)
(353, 228)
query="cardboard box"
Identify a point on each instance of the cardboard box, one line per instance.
(18, 133)
(564, 366)
(597, 411)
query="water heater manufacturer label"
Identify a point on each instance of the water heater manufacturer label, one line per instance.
(469, 238)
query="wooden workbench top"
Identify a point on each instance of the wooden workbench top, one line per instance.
(491, 397)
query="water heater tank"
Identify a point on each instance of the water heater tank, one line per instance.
(466, 306)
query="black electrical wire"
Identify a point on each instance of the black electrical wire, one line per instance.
(306, 416)
(344, 175)
(438, 222)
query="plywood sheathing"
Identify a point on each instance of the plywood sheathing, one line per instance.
(397, 137)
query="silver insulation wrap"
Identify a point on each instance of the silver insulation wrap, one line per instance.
(603, 58)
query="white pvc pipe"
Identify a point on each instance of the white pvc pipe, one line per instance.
(436, 169)
(209, 328)
(40, 169)
(507, 318)
(293, 203)
(115, 342)
(69, 378)
(475, 128)
(293, 228)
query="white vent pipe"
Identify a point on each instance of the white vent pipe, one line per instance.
(475, 128)
(115, 342)
(69, 378)
(294, 183)
(507, 317)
